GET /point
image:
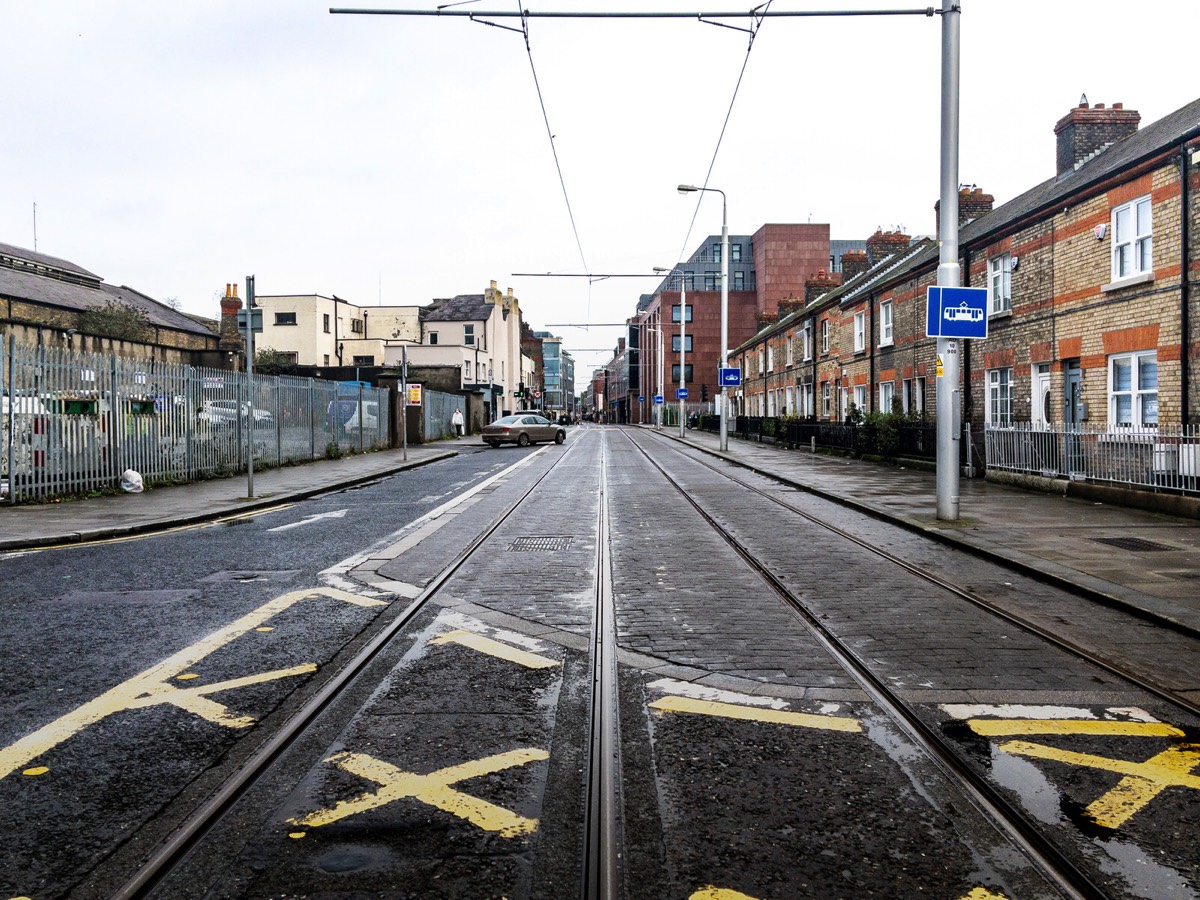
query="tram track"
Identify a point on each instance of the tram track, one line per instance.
(972, 597)
(1059, 869)
(600, 869)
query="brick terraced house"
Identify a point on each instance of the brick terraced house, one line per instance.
(1093, 315)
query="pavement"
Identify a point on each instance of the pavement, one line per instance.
(1145, 561)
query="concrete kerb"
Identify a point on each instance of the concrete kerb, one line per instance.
(1039, 571)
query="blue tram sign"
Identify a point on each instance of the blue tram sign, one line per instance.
(956, 312)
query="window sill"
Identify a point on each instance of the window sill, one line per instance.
(1001, 314)
(884, 346)
(1144, 278)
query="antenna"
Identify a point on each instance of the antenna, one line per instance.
(35, 227)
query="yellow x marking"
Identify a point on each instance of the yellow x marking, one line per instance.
(674, 703)
(1142, 782)
(153, 686)
(434, 789)
(487, 645)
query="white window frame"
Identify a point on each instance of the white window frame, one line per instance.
(1000, 284)
(998, 390)
(860, 398)
(1143, 399)
(860, 332)
(824, 335)
(919, 396)
(887, 393)
(1133, 239)
(886, 322)
(790, 351)
(826, 399)
(770, 358)
(906, 396)
(806, 346)
(807, 406)
(469, 335)
(844, 400)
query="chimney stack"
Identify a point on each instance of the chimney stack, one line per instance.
(854, 263)
(972, 203)
(816, 285)
(230, 338)
(883, 244)
(1087, 130)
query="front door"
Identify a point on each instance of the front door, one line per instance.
(1073, 415)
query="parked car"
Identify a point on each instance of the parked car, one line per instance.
(224, 414)
(522, 430)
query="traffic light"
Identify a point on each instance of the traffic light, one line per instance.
(704, 393)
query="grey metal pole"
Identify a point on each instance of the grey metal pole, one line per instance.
(662, 389)
(682, 353)
(948, 375)
(724, 442)
(250, 385)
(404, 400)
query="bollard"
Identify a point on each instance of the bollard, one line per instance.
(814, 444)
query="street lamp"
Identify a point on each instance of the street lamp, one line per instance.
(688, 189)
(682, 348)
(656, 383)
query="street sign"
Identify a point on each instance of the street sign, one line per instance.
(658, 399)
(641, 399)
(256, 319)
(730, 377)
(680, 393)
(956, 312)
(414, 394)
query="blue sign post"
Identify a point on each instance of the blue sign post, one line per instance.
(956, 312)
(658, 399)
(730, 377)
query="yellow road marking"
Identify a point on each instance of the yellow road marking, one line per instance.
(1142, 782)
(36, 770)
(673, 703)
(1004, 727)
(253, 514)
(716, 893)
(983, 894)
(496, 648)
(433, 789)
(153, 686)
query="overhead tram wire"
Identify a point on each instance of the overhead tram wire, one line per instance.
(753, 31)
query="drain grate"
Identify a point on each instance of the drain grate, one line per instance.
(1137, 545)
(540, 544)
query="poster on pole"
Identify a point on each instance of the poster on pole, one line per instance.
(414, 395)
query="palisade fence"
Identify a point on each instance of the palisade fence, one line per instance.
(1165, 458)
(74, 422)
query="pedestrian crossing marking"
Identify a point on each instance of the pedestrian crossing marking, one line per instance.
(672, 703)
(487, 645)
(433, 789)
(1005, 727)
(1142, 782)
(153, 686)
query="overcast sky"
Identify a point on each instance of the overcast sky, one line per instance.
(174, 147)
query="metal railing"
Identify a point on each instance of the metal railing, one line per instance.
(1166, 458)
(73, 422)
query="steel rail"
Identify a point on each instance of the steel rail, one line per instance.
(172, 851)
(1111, 666)
(601, 869)
(1052, 862)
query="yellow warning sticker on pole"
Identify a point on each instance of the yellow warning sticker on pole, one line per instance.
(939, 366)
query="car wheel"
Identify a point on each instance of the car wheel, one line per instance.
(522, 440)
(560, 437)
(494, 444)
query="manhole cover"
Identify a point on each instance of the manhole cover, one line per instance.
(540, 544)
(1137, 545)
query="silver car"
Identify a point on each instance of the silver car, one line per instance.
(522, 430)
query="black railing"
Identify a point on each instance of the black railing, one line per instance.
(888, 440)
